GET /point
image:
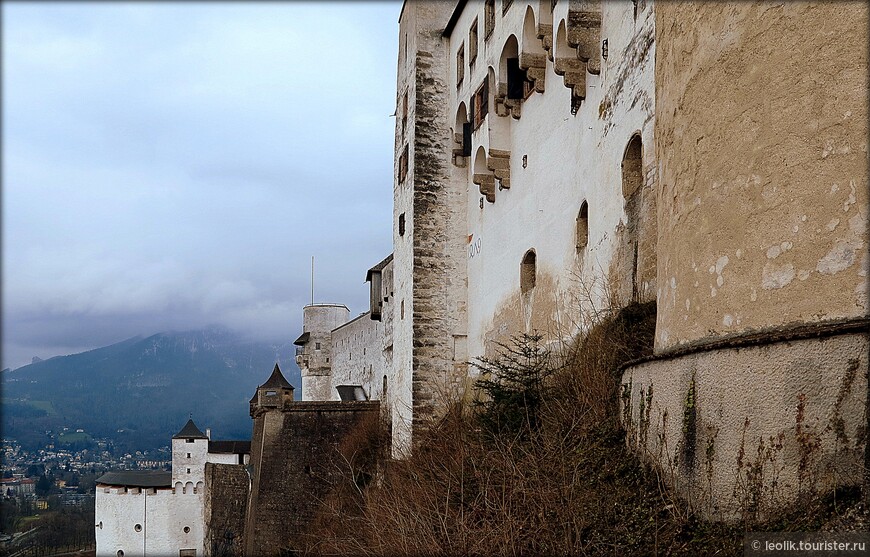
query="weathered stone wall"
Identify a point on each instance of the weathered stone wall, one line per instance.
(761, 144)
(428, 256)
(439, 215)
(745, 428)
(761, 139)
(399, 396)
(226, 501)
(299, 454)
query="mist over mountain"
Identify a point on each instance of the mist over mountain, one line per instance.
(140, 391)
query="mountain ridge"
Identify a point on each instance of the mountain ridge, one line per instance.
(138, 391)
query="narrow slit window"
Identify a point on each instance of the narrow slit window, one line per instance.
(480, 103)
(403, 165)
(528, 270)
(460, 65)
(583, 226)
(472, 43)
(404, 112)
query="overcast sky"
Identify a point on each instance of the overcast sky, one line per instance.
(172, 165)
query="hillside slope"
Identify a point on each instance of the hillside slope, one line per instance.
(138, 392)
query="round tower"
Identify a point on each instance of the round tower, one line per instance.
(315, 348)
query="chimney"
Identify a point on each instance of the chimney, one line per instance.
(208, 433)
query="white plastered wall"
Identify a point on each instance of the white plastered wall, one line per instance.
(569, 159)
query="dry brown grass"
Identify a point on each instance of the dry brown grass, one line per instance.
(565, 486)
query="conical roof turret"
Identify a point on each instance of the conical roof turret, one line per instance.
(276, 381)
(190, 431)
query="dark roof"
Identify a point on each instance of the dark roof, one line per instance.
(379, 267)
(231, 447)
(454, 17)
(137, 478)
(276, 380)
(303, 338)
(190, 431)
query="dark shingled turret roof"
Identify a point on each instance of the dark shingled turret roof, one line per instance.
(190, 431)
(276, 381)
(379, 267)
(303, 338)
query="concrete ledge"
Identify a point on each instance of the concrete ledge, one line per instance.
(760, 337)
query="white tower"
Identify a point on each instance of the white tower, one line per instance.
(189, 455)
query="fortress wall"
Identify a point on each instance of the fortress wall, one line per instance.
(439, 238)
(225, 508)
(737, 427)
(403, 252)
(428, 255)
(558, 160)
(761, 141)
(299, 455)
(761, 337)
(358, 356)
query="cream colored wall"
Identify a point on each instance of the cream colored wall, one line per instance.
(761, 137)
(761, 143)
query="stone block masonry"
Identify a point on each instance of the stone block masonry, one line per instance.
(225, 508)
(299, 453)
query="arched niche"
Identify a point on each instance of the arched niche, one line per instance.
(533, 57)
(482, 175)
(461, 136)
(632, 166)
(528, 271)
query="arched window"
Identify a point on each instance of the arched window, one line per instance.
(583, 226)
(632, 166)
(528, 270)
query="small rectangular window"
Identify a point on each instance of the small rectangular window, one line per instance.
(472, 43)
(403, 165)
(402, 224)
(460, 65)
(188, 455)
(480, 103)
(188, 440)
(188, 470)
(404, 112)
(317, 346)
